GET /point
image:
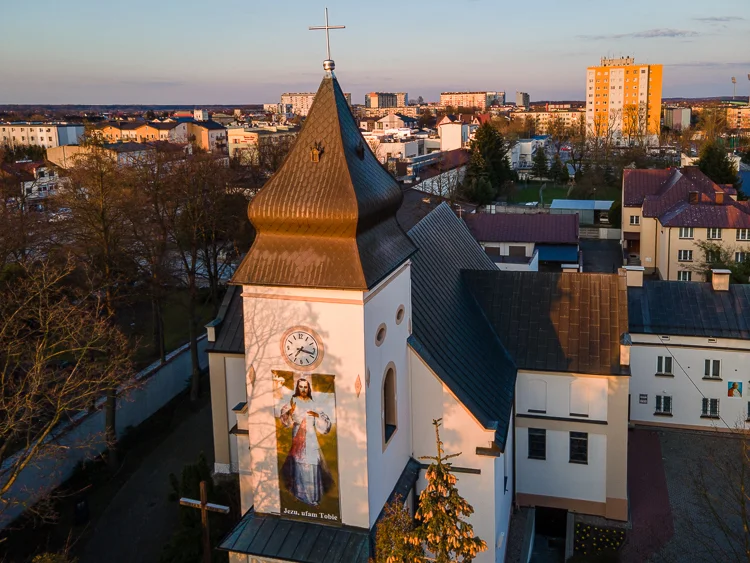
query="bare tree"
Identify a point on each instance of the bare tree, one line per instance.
(59, 353)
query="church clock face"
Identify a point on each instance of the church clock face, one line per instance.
(302, 348)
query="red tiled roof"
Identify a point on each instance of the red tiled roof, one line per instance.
(537, 228)
(665, 194)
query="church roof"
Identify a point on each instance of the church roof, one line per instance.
(552, 321)
(327, 218)
(230, 327)
(450, 332)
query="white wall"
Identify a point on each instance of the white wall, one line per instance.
(505, 247)
(83, 438)
(453, 136)
(562, 393)
(689, 354)
(556, 476)
(234, 372)
(461, 433)
(386, 462)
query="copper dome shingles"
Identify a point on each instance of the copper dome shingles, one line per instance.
(331, 223)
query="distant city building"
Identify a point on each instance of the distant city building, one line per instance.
(410, 111)
(478, 100)
(738, 117)
(140, 131)
(35, 179)
(200, 114)
(402, 99)
(523, 99)
(623, 101)
(246, 143)
(543, 119)
(677, 119)
(19, 134)
(381, 100)
(301, 102)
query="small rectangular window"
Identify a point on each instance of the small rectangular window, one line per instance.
(635, 220)
(537, 443)
(685, 256)
(664, 365)
(714, 233)
(710, 408)
(579, 447)
(686, 232)
(712, 369)
(740, 257)
(663, 404)
(684, 276)
(743, 234)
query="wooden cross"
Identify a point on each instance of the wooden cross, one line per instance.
(205, 507)
(326, 27)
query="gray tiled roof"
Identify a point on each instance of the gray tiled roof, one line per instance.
(230, 335)
(689, 309)
(450, 333)
(556, 321)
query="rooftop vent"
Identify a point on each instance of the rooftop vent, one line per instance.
(720, 279)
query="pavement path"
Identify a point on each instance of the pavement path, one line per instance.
(140, 519)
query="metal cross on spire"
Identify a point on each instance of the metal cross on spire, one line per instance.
(328, 64)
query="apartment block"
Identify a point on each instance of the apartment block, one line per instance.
(623, 101)
(523, 100)
(17, 134)
(301, 102)
(677, 119)
(478, 100)
(738, 117)
(381, 100)
(543, 119)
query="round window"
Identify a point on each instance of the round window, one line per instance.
(400, 314)
(380, 335)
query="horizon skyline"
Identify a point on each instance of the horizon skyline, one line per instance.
(546, 60)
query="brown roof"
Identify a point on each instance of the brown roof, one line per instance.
(665, 194)
(537, 228)
(330, 223)
(568, 322)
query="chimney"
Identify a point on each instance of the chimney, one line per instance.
(625, 343)
(693, 198)
(720, 279)
(719, 198)
(570, 268)
(634, 275)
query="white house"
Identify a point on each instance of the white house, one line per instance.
(453, 135)
(690, 353)
(35, 180)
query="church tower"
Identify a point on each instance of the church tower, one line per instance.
(327, 310)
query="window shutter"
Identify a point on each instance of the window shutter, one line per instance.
(658, 403)
(668, 404)
(658, 364)
(704, 409)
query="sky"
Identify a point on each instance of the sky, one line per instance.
(250, 51)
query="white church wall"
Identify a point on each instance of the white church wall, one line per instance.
(462, 433)
(688, 372)
(236, 393)
(560, 395)
(385, 462)
(338, 318)
(504, 478)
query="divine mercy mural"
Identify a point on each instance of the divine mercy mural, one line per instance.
(305, 410)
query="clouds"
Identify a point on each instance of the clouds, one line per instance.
(668, 33)
(721, 19)
(709, 64)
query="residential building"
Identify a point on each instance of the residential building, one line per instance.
(527, 241)
(523, 100)
(208, 135)
(409, 111)
(522, 152)
(478, 100)
(247, 142)
(124, 153)
(667, 213)
(381, 100)
(394, 122)
(200, 115)
(690, 352)
(677, 119)
(543, 120)
(454, 134)
(567, 335)
(623, 101)
(301, 102)
(20, 134)
(35, 180)
(738, 117)
(402, 99)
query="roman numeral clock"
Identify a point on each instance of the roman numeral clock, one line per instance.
(302, 348)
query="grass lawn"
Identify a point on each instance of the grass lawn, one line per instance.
(136, 321)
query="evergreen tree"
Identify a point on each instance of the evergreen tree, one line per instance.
(489, 173)
(556, 169)
(394, 538)
(714, 162)
(539, 168)
(442, 529)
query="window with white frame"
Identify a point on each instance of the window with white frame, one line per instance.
(663, 404)
(743, 234)
(712, 256)
(635, 219)
(710, 408)
(712, 369)
(684, 255)
(684, 276)
(740, 257)
(664, 365)
(686, 232)
(714, 233)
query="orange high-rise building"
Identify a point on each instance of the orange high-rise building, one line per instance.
(623, 101)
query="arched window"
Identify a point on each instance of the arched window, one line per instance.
(390, 419)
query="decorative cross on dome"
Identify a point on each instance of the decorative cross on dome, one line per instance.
(328, 64)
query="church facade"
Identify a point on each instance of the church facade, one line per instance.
(341, 341)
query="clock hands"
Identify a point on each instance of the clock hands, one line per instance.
(301, 349)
